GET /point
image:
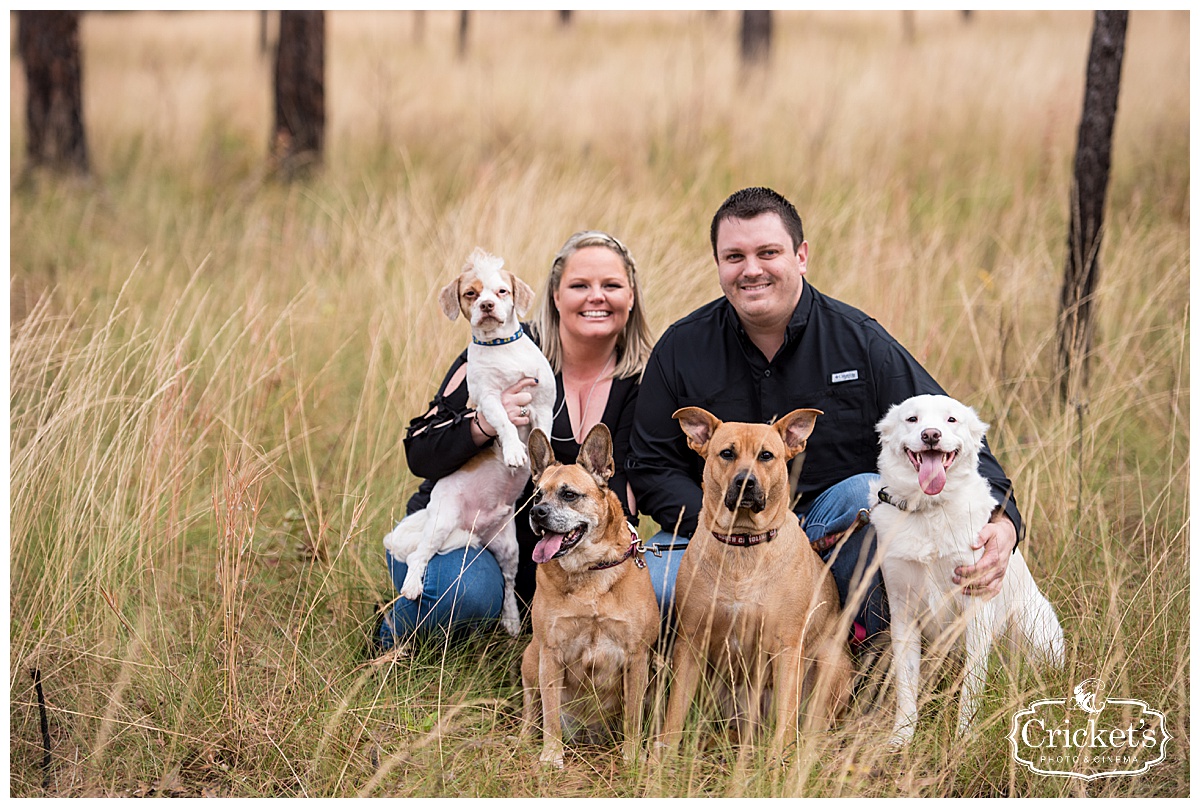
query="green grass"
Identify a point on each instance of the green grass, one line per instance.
(210, 373)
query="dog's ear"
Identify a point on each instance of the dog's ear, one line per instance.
(541, 455)
(975, 426)
(887, 424)
(595, 455)
(699, 426)
(522, 295)
(448, 299)
(795, 427)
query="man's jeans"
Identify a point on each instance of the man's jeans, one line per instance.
(830, 513)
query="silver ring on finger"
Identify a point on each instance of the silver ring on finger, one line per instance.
(524, 412)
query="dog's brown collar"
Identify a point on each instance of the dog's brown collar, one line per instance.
(745, 539)
(635, 552)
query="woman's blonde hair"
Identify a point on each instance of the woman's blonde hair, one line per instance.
(633, 343)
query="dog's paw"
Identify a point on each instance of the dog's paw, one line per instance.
(901, 737)
(512, 625)
(552, 756)
(412, 587)
(515, 455)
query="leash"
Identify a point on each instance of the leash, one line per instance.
(862, 518)
(635, 551)
(501, 340)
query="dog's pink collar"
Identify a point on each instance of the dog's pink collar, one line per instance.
(745, 539)
(635, 552)
(501, 340)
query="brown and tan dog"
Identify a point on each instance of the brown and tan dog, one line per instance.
(756, 610)
(595, 619)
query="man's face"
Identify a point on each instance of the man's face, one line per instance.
(760, 273)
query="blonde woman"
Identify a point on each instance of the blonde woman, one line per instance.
(591, 326)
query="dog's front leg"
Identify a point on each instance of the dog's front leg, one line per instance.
(787, 670)
(979, 635)
(688, 664)
(505, 550)
(530, 663)
(550, 677)
(637, 676)
(905, 581)
(511, 447)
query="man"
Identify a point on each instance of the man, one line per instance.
(772, 344)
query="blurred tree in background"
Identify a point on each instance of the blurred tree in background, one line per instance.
(48, 42)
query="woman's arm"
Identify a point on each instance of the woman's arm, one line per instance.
(438, 442)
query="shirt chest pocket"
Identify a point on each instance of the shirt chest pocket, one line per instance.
(843, 441)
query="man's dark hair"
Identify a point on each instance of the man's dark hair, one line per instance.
(751, 202)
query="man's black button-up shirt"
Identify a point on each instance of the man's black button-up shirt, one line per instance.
(834, 358)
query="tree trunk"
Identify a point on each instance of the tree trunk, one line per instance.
(756, 37)
(464, 25)
(1093, 157)
(49, 45)
(299, 92)
(263, 39)
(418, 27)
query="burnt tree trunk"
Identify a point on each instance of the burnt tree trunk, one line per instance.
(755, 37)
(418, 27)
(299, 136)
(49, 45)
(1093, 157)
(464, 27)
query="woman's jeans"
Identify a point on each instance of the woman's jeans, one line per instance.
(463, 589)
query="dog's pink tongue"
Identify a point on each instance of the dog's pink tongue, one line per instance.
(932, 474)
(547, 547)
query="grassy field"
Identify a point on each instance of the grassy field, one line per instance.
(211, 372)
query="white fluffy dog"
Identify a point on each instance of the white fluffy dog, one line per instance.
(930, 505)
(474, 505)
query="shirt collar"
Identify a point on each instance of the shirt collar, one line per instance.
(795, 326)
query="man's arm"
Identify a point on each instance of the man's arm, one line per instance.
(899, 376)
(660, 467)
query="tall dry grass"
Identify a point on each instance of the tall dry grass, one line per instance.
(188, 339)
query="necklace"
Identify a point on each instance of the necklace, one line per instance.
(586, 402)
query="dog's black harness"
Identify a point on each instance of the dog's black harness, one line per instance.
(745, 539)
(884, 496)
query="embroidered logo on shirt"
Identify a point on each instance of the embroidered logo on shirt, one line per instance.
(844, 376)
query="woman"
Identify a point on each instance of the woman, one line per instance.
(591, 326)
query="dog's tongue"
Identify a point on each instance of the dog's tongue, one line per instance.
(547, 547)
(932, 473)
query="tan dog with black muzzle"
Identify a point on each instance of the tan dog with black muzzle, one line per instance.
(594, 618)
(756, 609)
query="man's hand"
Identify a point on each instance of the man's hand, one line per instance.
(998, 538)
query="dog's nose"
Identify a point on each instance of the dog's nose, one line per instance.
(744, 491)
(486, 305)
(540, 511)
(930, 437)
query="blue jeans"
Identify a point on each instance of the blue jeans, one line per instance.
(831, 512)
(463, 588)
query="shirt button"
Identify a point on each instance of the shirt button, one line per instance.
(766, 372)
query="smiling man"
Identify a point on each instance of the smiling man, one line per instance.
(773, 344)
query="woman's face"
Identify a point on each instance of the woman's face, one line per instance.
(594, 297)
